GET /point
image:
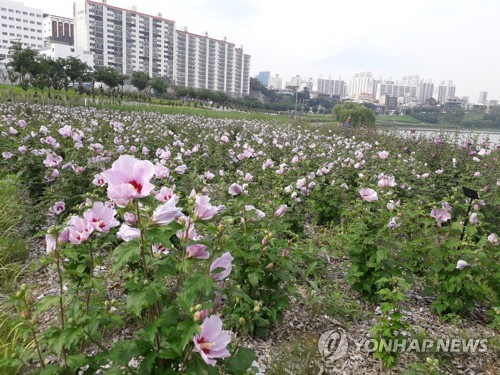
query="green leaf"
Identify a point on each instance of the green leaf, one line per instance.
(253, 278)
(187, 329)
(124, 351)
(199, 283)
(126, 252)
(46, 303)
(138, 300)
(242, 361)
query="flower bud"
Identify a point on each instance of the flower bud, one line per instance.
(242, 321)
(198, 307)
(270, 266)
(256, 308)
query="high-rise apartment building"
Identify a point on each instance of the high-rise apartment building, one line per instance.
(276, 82)
(483, 97)
(332, 87)
(19, 23)
(425, 91)
(213, 64)
(443, 91)
(361, 83)
(132, 41)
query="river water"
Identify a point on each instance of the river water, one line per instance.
(457, 135)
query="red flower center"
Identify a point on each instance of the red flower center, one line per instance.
(137, 186)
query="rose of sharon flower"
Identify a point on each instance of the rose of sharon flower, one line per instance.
(368, 194)
(473, 218)
(129, 178)
(197, 251)
(101, 217)
(394, 223)
(225, 261)
(51, 243)
(166, 213)
(440, 215)
(493, 239)
(383, 154)
(235, 189)
(58, 207)
(79, 230)
(203, 210)
(212, 341)
(127, 233)
(281, 210)
(461, 264)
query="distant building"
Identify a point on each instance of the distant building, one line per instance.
(390, 103)
(425, 91)
(465, 102)
(364, 97)
(129, 41)
(58, 29)
(263, 77)
(361, 83)
(453, 102)
(275, 83)
(443, 91)
(331, 86)
(493, 103)
(60, 50)
(483, 98)
(20, 24)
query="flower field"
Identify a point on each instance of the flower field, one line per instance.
(194, 233)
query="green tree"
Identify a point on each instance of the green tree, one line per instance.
(76, 71)
(360, 115)
(159, 85)
(140, 80)
(23, 62)
(111, 78)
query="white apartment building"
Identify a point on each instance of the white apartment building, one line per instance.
(443, 91)
(276, 82)
(361, 83)
(331, 87)
(213, 64)
(19, 23)
(125, 39)
(132, 41)
(425, 91)
(60, 50)
(483, 98)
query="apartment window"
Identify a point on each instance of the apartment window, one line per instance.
(32, 22)
(4, 33)
(32, 14)
(4, 8)
(25, 13)
(4, 25)
(18, 11)
(11, 18)
(11, 10)
(39, 38)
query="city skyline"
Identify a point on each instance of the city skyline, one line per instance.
(446, 40)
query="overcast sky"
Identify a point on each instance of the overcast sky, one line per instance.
(455, 40)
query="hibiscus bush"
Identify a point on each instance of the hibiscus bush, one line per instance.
(178, 234)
